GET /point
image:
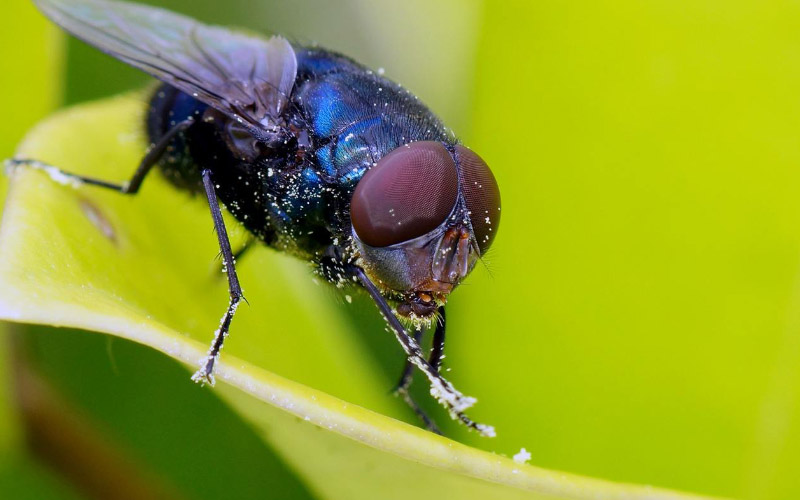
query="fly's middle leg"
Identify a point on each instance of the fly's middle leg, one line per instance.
(206, 372)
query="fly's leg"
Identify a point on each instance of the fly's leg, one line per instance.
(131, 187)
(408, 370)
(435, 360)
(428, 421)
(437, 350)
(441, 388)
(436, 355)
(154, 154)
(206, 372)
(402, 390)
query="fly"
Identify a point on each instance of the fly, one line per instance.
(315, 155)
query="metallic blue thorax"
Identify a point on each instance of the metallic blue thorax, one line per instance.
(342, 119)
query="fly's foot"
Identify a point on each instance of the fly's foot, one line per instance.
(205, 375)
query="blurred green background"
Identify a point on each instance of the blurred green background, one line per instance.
(639, 319)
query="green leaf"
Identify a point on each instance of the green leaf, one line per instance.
(140, 268)
(24, 102)
(24, 479)
(153, 433)
(644, 295)
(33, 48)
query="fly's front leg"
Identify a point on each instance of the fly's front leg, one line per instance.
(408, 370)
(435, 357)
(437, 350)
(435, 360)
(206, 372)
(131, 187)
(441, 388)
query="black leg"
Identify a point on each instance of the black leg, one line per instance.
(436, 355)
(428, 421)
(131, 187)
(402, 390)
(437, 350)
(441, 388)
(435, 360)
(206, 372)
(408, 370)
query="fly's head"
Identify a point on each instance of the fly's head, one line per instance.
(422, 217)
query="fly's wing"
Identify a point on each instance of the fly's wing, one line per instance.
(245, 76)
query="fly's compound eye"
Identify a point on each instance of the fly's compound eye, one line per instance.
(410, 192)
(482, 196)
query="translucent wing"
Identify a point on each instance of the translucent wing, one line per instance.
(245, 76)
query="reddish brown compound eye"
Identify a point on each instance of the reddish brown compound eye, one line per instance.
(409, 193)
(482, 196)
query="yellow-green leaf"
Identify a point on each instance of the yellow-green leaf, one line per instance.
(141, 268)
(645, 276)
(36, 50)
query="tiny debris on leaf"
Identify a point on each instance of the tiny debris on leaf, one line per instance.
(523, 456)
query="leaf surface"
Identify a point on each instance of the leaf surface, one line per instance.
(141, 268)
